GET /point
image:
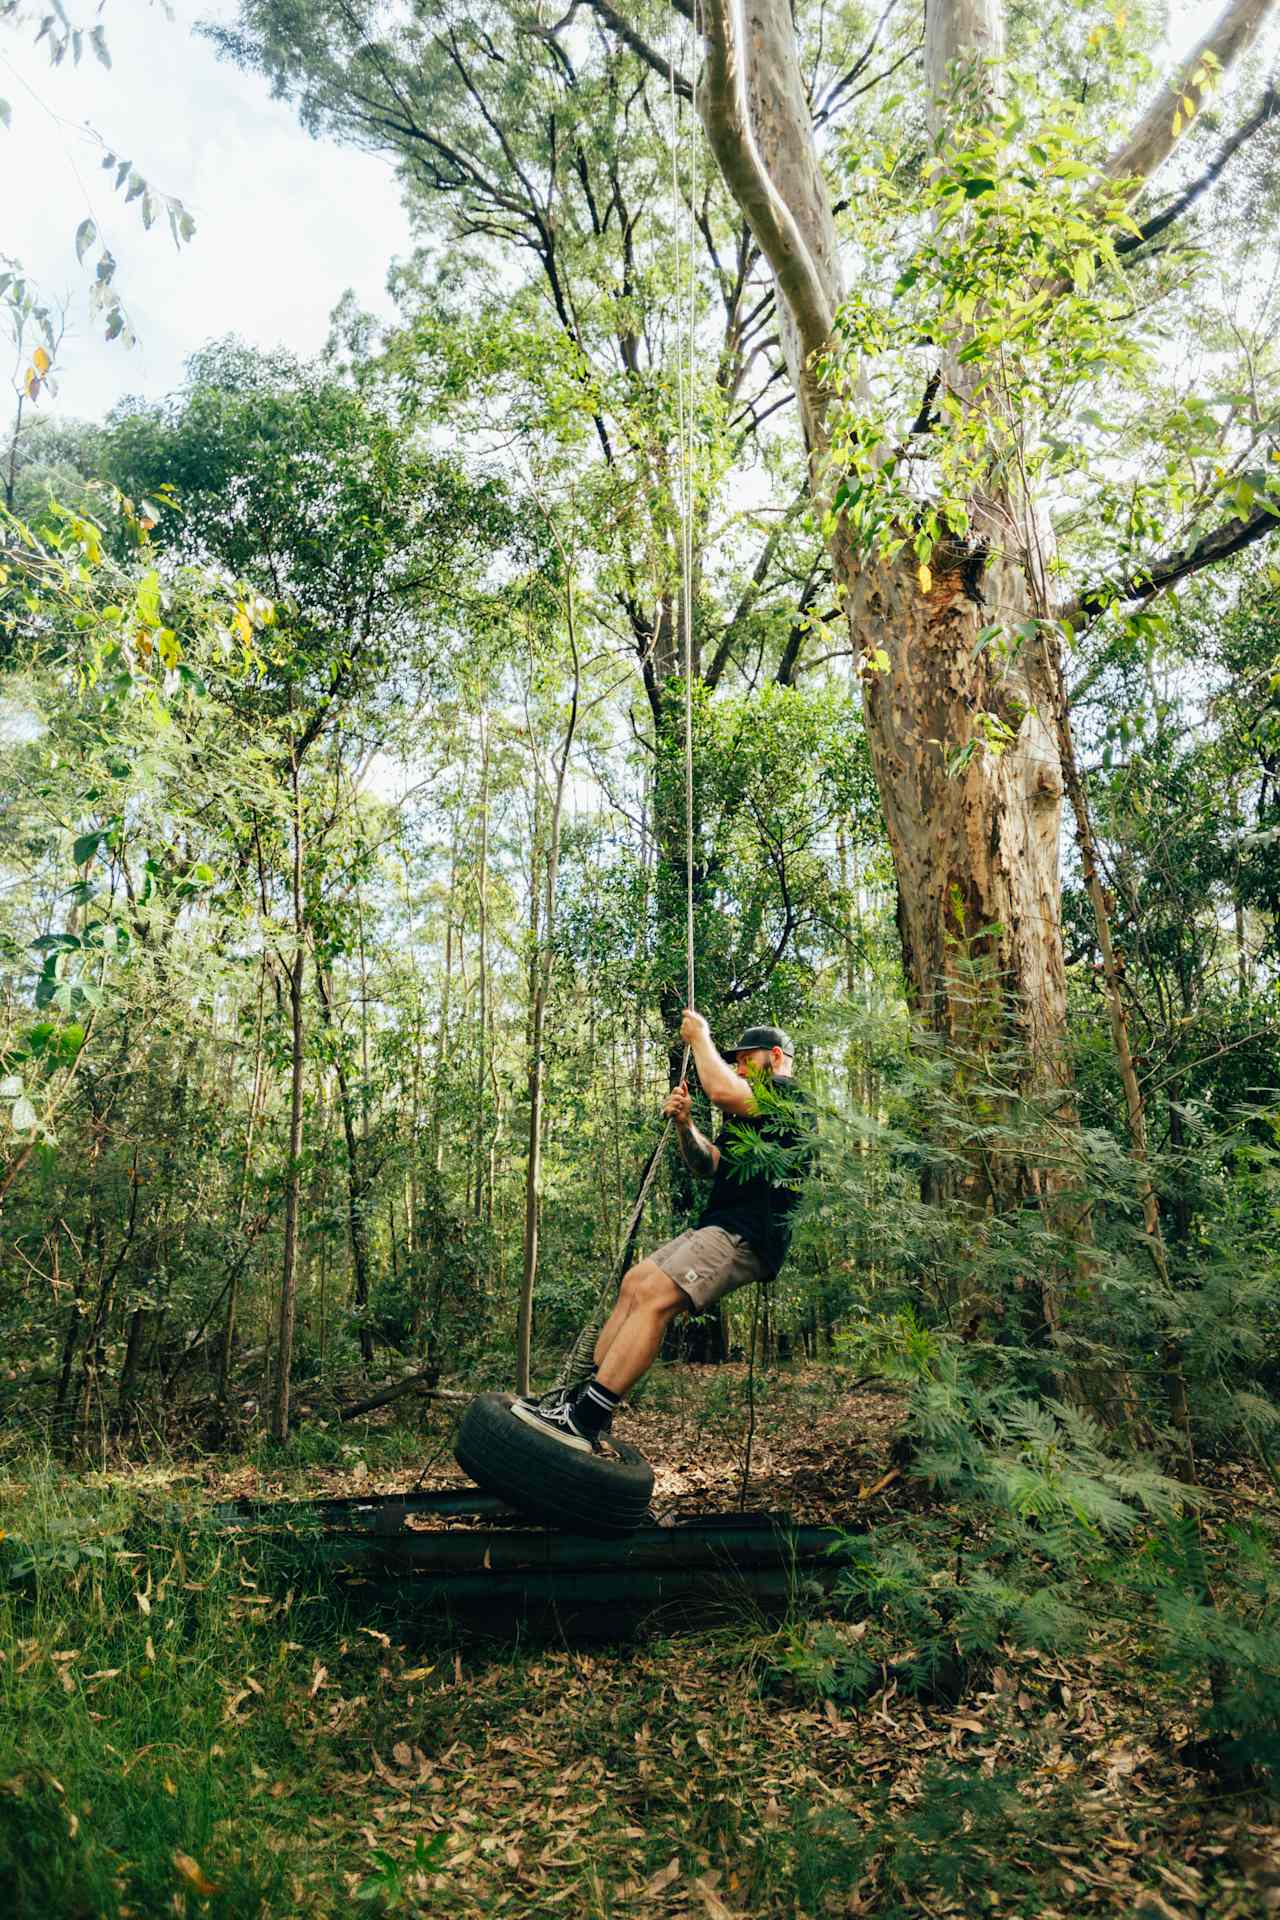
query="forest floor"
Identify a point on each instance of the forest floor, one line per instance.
(298, 1764)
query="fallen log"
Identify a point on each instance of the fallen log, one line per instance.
(424, 1381)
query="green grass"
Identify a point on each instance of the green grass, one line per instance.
(127, 1767)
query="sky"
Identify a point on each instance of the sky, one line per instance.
(284, 224)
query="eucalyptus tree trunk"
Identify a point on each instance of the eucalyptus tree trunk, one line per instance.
(975, 854)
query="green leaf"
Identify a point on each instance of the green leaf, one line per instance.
(972, 188)
(98, 41)
(4, 113)
(148, 604)
(1082, 272)
(86, 234)
(86, 846)
(51, 943)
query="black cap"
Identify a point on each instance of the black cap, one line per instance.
(754, 1037)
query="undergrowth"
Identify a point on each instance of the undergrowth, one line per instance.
(149, 1693)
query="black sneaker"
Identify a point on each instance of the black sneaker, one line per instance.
(554, 1397)
(554, 1414)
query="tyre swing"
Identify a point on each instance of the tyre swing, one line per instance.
(607, 1492)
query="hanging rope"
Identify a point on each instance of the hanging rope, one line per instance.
(579, 1361)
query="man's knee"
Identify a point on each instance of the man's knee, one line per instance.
(633, 1283)
(654, 1289)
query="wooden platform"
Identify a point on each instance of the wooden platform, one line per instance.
(467, 1559)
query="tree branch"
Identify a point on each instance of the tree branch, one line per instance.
(837, 93)
(1231, 538)
(1267, 110)
(641, 48)
(1154, 138)
(722, 104)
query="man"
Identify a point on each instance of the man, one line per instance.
(742, 1234)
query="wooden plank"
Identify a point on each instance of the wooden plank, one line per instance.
(651, 1548)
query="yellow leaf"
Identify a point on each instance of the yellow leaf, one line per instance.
(193, 1873)
(31, 385)
(243, 627)
(924, 576)
(169, 1786)
(662, 1879)
(1177, 122)
(41, 360)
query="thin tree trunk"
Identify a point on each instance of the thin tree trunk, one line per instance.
(638, 1032)
(442, 1034)
(288, 1279)
(482, 1002)
(256, 1095)
(543, 962)
(357, 1223)
(411, 1173)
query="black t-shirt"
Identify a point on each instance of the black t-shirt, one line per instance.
(753, 1200)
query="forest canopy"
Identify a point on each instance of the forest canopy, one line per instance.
(807, 525)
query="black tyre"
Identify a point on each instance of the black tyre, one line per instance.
(581, 1492)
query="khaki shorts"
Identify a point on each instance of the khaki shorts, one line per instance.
(708, 1262)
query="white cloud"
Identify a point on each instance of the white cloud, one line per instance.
(284, 223)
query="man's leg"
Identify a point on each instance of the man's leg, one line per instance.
(621, 1311)
(652, 1300)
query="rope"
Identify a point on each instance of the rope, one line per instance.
(685, 373)
(579, 1362)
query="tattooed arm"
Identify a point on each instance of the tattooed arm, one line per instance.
(699, 1155)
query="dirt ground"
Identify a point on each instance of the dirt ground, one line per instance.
(708, 1777)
